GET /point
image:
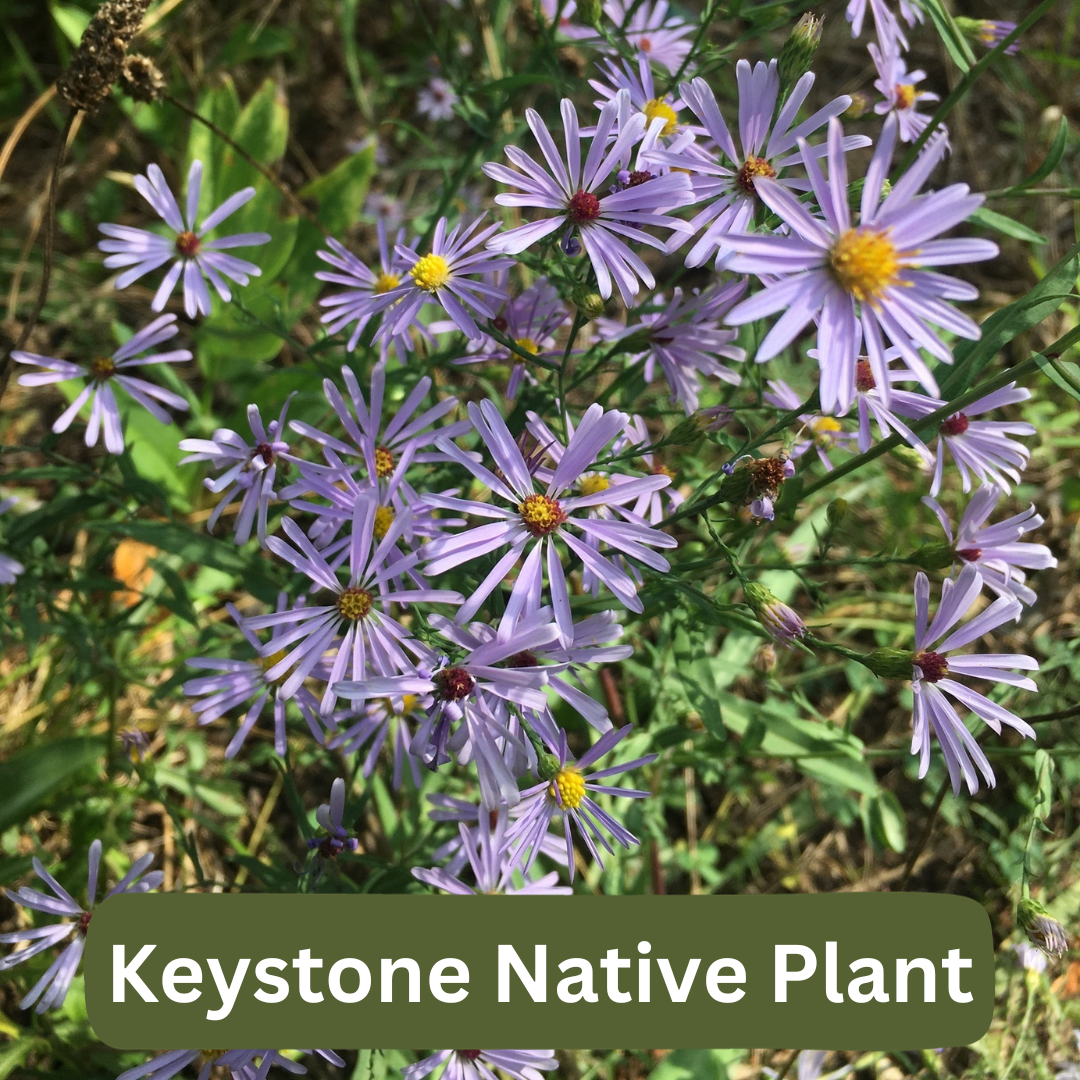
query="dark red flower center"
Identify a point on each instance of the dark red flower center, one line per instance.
(970, 554)
(955, 425)
(864, 377)
(523, 659)
(84, 922)
(454, 683)
(645, 44)
(752, 169)
(933, 665)
(265, 451)
(102, 368)
(472, 1055)
(584, 207)
(500, 324)
(638, 177)
(187, 244)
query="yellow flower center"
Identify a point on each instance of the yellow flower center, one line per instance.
(408, 704)
(905, 95)
(865, 262)
(526, 344)
(592, 485)
(664, 470)
(430, 273)
(211, 1056)
(541, 514)
(384, 518)
(267, 662)
(385, 282)
(102, 368)
(753, 168)
(824, 429)
(659, 107)
(384, 462)
(354, 603)
(571, 788)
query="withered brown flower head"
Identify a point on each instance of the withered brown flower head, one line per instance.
(141, 79)
(99, 60)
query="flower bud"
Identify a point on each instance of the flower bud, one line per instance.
(764, 660)
(798, 52)
(890, 663)
(687, 432)
(933, 557)
(780, 621)
(591, 11)
(590, 304)
(836, 512)
(1044, 931)
(715, 417)
(860, 105)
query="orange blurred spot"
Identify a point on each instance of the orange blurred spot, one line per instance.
(130, 567)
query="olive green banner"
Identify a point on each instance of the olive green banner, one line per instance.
(845, 972)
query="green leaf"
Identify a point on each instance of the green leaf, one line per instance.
(30, 778)
(951, 35)
(696, 678)
(341, 191)
(72, 21)
(970, 357)
(221, 106)
(1053, 158)
(155, 452)
(1006, 226)
(887, 823)
(1061, 373)
(697, 1065)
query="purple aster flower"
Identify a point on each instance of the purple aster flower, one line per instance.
(9, 568)
(766, 148)
(250, 468)
(996, 550)
(469, 814)
(658, 34)
(653, 506)
(823, 433)
(980, 448)
(932, 669)
(240, 1063)
(641, 89)
(871, 405)
(599, 221)
(367, 293)
(442, 277)
(472, 689)
(530, 320)
(53, 986)
(990, 32)
(867, 280)
(884, 19)
(535, 519)
(809, 1066)
(479, 1064)
(897, 85)
(330, 816)
(685, 340)
(374, 723)
(492, 872)
(436, 101)
(195, 257)
(237, 682)
(104, 412)
(381, 444)
(359, 612)
(564, 789)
